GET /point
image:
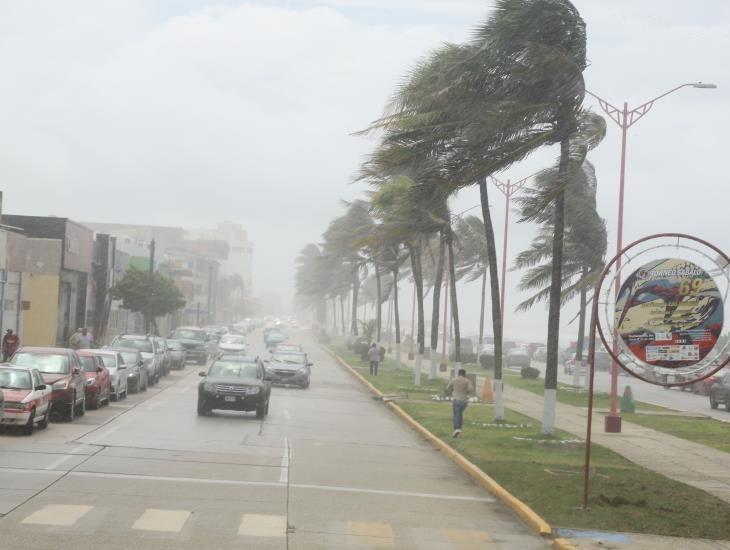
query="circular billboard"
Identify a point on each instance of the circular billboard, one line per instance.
(669, 313)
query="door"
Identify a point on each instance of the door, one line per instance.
(44, 396)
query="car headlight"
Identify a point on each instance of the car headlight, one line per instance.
(208, 387)
(60, 385)
(90, 381)
(254, 390)
(303, 370)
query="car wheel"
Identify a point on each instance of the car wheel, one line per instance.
(713, 402)
(43, 424)
(81, 407)
(94, 403)
(260, 410)
(135, 388)
(202, 409)
(28, 428)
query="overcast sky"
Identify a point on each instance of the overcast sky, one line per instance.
(191, 112)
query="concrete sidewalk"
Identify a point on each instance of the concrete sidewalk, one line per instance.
(679, 459)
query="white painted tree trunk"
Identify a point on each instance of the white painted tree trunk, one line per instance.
(398, 358)
(419, 358)
(498, 400)
(433, 371)
(548, 418)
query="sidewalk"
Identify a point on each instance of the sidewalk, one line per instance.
(684, 461)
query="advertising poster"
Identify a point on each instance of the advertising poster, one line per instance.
(669, 313)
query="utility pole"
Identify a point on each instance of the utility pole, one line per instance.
(150, 285)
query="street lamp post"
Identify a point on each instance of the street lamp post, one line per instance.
(625, 118)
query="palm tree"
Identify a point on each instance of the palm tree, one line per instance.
(472, 258)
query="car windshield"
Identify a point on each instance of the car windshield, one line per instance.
(175, 346)
(288, 347)
(233, 369)
(109, 359)
(88, 364)
(186, 334)
(294, 358)
(15, 379)
(144, 346)
(129, 357)
(232, 339)
(44, 362)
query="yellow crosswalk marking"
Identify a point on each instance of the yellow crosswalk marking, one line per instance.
(57, 514)
(262, 525)
(375, 534)
(169, 521)
(465, 539)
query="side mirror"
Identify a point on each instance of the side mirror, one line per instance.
(41, 387)
(122, 367)
(99, 369)
(140, 363)
(76, 371)
(202, 374)
(310, 364)
(267, 361)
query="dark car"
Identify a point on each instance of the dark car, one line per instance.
(98, 380)
(62, 370)
(195, 342)
(720, 392)
(235, 383)
(290, 368)
(177, 354)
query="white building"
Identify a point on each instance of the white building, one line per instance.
(240, 250)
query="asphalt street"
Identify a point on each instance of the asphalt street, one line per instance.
(328, 468)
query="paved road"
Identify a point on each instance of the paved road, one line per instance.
(673, 398)
(328, 468)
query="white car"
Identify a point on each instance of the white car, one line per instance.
(114, 361)
(232, 343)
(27, 398)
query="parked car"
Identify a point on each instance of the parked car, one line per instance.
(235, 382)
(114, 361)
(61, 369)
(133, 357)
(147, 346)
(165, 356)
(178, 357)
(274, 338)
(289, 346)
(540, 354)
(289, 368)
(26, 398)
(232, 343)
(98, 379)
(720, 392)
(194, 340)
(517, 357)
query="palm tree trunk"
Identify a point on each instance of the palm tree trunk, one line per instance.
(481, 310)
(494, 292)
(581, 328)
(378, 304)
(397, 317)
(438, 276)
(355, 289)
(418, 278)
(454, 303)
(553, 334)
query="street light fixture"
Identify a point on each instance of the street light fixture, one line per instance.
(626, 118)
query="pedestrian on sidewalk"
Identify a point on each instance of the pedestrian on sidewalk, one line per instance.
(374, 358)
(459, 387)
(10, 344)
(81, 339)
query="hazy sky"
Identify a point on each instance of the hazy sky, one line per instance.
(192, 112)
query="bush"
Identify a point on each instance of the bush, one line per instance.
(530, 372)
(468, 357)
(486, 361)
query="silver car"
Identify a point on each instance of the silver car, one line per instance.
(114, 361)
(147, 346)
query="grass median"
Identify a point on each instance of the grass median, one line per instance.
(546, 472)
(699, 429)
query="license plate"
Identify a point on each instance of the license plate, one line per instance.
(229, 398)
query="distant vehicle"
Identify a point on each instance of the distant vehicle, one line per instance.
(195, 342)
(114, 361)
(540, 354)
(177, 354)
(232, 343)
(703, 387)
(289, 368)
(60, 369)
(98, 380)
(289, 346)
(517, 357)
(148, 348)
(720, 392)
(136, 380)
(235, 382)
(274, 338)
(26, 398)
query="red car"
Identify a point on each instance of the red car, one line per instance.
(27, 398)
(61, 369)
(98, 380)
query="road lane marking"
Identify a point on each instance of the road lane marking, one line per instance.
(57, 463)
(262, 525)
(63, 515)
(284, 477)
(377, 534)
(464, 539)
(169, 521)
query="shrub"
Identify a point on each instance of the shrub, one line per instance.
(530, 372)
(486, 361)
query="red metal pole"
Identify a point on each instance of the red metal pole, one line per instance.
(507, 195)
(443, 364)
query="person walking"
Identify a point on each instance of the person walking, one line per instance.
(374, 358)
(10, 344)
(85, 339)
(459, 388)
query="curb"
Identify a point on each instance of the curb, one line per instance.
(526, 514)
